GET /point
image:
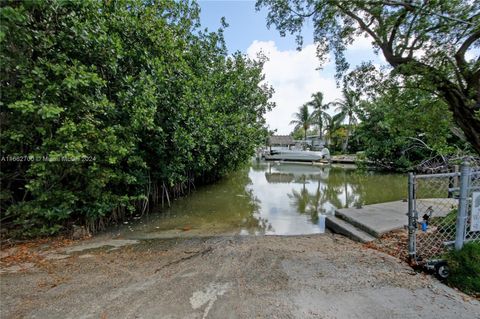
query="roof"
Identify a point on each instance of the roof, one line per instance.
(279, 177)
(281, 140)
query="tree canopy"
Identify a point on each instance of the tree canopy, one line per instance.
(109, 106)
(319, 115)
(347, 109)
(302, 119)
(427, 41)
(395, 131)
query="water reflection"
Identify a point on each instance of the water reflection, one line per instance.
(296, 198)
(270, 198)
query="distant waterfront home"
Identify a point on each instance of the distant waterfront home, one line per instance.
(284, 141)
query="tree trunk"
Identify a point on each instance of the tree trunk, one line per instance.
(462, 102)
(320, 128)
(348, 135)
(464, 115)
(345, 145)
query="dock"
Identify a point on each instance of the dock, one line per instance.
(369, 222)
(343, 159)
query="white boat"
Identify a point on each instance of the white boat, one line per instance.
(297, 155)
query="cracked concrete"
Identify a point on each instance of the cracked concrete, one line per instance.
(318, 276)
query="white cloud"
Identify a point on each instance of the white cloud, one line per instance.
(361, 42)
(472, 54)
(294, 77)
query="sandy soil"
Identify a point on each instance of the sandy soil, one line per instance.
(320, 276)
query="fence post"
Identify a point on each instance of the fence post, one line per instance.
(462, 206)
(412, 222)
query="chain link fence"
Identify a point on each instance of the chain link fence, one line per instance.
(442, 210)
(472, 232)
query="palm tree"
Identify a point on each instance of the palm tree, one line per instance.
(302, 119)
(319, 113)
(347, 108)
(332, 123)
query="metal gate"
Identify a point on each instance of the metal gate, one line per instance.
(443, 212)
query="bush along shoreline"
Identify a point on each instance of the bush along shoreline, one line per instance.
(111, 107)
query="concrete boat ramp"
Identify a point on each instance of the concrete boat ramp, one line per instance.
(369, 222)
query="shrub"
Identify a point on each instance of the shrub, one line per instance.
(465, 268)
(109, 104)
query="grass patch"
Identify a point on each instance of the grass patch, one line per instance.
(464, 267)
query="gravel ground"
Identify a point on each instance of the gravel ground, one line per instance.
(319, 276)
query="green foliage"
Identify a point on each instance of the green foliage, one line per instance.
(299, 133)
(336, 138)
(347, 108)
(302, 120)
(401, 127)
(319, 116)
(337, 135)
(333, 131)
(105, 101)
(447, 221)
(464, 267)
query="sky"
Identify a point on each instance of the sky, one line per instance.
(293, 74)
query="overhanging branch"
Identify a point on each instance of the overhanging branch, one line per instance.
(460, 55)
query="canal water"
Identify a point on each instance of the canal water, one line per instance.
(269, 198)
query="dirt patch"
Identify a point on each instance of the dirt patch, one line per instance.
(394, 243)
(32, 254)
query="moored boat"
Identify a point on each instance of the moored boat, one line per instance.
(297, 155)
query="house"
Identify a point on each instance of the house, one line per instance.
(280, 141)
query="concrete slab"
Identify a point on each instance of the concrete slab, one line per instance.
(378, 219)
(342, 227)
(305, 277)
